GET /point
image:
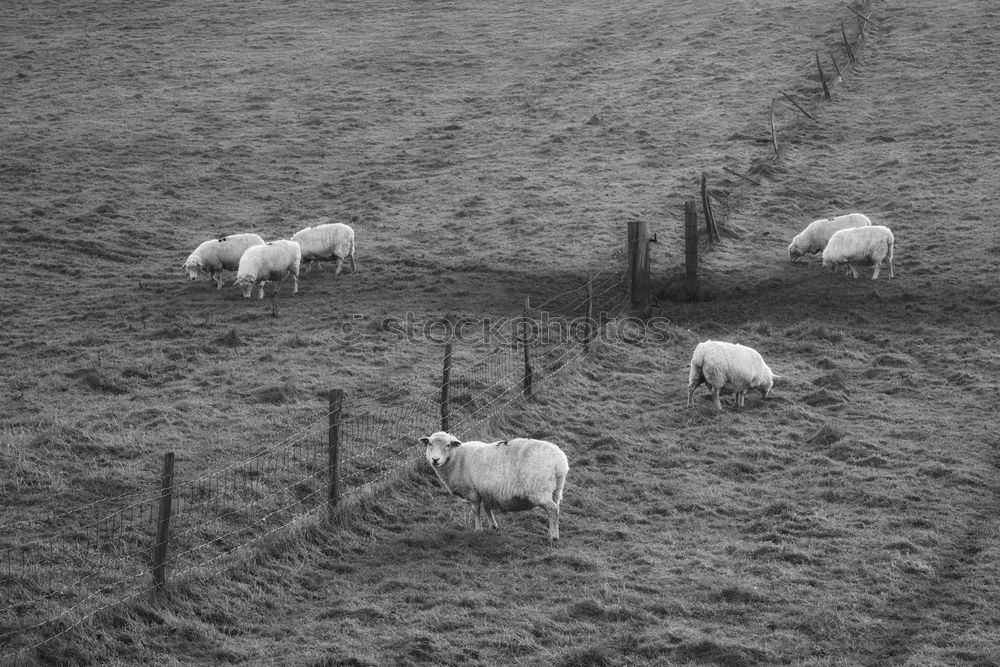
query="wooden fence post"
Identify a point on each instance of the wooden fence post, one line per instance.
(163, 525)
(588, 331)
(691, 249)
(706, 207)
(638, 249)
(445, 387)
(847, 45)
(524, 343)
(333, 445)
(774, 133)
(822, 78)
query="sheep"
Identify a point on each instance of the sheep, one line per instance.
(816, 235)
(507, 476)
(213, 256)
(729, 366)
(860, 246)
(272, 261)
(325, 242)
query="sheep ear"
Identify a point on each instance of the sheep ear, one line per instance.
(455, 443)
(425, 441)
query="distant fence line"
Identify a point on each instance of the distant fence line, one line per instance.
(693, 240)
(192, 524)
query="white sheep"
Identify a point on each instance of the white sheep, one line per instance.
(816, 235)
(274, 260)
(861, 245)
(507, 476)
(329, 241)
(213, 256)
(729, 366)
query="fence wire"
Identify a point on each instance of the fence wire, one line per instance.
(88, 565)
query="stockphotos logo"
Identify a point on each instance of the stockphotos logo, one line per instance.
(546, 329)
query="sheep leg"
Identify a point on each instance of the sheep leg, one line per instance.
(260, 295)
(552, 510)
(493, 519)
(295, 283)
(340, 266)
(217, 275)
(878, 265)
(740, 398)
(353, 265)
(478, 504)
(854, 272)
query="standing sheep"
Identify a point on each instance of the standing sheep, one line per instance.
(861, 245)
(507, 476)
(728, 366)
(817, 234)
(272, 261)
(213, 256)
(330, 241)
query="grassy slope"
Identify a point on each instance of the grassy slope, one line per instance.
(847, 520)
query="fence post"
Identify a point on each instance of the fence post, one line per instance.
(524, 343)
(691, 249)
(163, 525)
(774, 133)
(445, 387)
(638, 248)
(822, 77)
(588, 331)
(706, 206)
(333, 434)
(847, 45)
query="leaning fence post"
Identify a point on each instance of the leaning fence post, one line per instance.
(163, 525)
(847, 45)
(333, 435)
(691, 249)
(706, 207)
(445, 387)
(822, 78)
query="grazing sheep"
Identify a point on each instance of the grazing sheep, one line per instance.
(272, 261)
(817, 234)
(861, 245)
(728, 366)
(508, 476)
(330, 241)
(213, 256)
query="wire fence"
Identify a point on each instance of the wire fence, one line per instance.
(101, 555)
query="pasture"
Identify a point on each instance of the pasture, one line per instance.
(485, 152)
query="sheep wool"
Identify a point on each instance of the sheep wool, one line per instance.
(861, 245)
(272, 261)
(817, 234)
(729, 366)
(324, 242)
(506, 476)
(214, 255)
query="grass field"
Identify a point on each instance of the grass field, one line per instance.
(485, 153)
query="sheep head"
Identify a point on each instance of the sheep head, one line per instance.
(794, 252)
(193, 267)
(767, 383)
(245, 283)
(440, 448)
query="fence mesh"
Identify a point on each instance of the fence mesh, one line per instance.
(100, 555)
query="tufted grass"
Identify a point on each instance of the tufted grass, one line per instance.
(485, 153)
